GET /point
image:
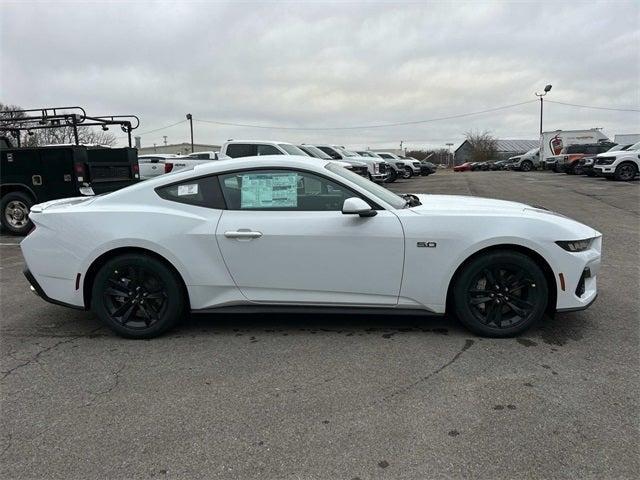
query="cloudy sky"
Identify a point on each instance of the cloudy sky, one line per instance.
(322, 65)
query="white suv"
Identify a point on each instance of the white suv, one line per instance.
(406, 167)
(621, 165)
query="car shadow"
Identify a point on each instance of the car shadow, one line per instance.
(290, 323)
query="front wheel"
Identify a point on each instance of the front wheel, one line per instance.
(407, 173)
(526, 166)
(625, 172)
(137, 296)
(500, 294)
(393, 176)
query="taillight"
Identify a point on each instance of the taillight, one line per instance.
(81, 171)
(168, 167)
(136, 168)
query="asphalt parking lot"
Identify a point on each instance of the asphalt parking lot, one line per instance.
(344, 397)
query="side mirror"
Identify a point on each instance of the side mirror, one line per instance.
(357, 206)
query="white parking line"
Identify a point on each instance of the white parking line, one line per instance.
(7, 244)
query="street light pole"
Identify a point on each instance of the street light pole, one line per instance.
(190, 118)
(540, 95)
(450, 158)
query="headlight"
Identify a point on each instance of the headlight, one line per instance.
(575, 245)
(376, 168)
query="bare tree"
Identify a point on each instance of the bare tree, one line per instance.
(60, 135)
(483, 145)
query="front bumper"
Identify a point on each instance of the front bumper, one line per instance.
(604, 170)
(580, 271)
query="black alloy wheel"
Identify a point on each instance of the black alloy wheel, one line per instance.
(625, 172)
(526, 166)
(501, 294)
(137, 296)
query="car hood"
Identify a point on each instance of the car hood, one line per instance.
(455, 203)
(458, 204)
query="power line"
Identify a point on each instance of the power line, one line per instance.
(139, 134)
(361, 127)
(594, 107)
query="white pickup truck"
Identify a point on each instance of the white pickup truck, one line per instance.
(378, 168)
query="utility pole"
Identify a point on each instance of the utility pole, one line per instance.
(165, 140)
(547, 89)
(190, 118)
(449, 145)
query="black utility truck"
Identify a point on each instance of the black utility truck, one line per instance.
(31, 175)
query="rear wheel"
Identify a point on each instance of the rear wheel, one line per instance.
(526, 166)
(500, 294)
(15, 208)
(137, 296)
(625, 172)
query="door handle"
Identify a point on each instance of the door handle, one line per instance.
(243, 234)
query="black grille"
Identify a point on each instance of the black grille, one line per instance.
(383, 167)
(361, 171)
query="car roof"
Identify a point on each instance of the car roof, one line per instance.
(270, 142)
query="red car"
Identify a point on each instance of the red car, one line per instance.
(465, 167)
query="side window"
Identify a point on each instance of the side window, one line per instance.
(268, 150)
(201, 192)
(237, 150)
(603, 148)
(331, 152)
(282, 190)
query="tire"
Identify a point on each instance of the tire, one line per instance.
(526, 166)
(14, 213)
(138, 296)
(393, 176)
(407, 173)
(518, 303)
(625, 172)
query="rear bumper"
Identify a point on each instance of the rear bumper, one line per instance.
(37, 289)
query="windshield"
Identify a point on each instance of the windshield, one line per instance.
(316, 152)
(373, 188)
(533, 151)
(635, 146)
(366, 154)
(346, 153)
(292, 149)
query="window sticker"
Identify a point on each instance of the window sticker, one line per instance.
(269, 190)
(191, 189)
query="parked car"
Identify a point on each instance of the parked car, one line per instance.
(527, 161)
(206, 155)
(358, 167)
(552, 143)
(427, 168)
(464, 167)
(279, 233)
(499, 165)
(569, 159)
(586, 164)
(622, 165)
(392, 172)
(404, 167)
(32, 175)
(378, 168)
(152, 165)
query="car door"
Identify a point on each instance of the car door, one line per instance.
(284, 239)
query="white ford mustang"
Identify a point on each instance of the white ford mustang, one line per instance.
(290, 233)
